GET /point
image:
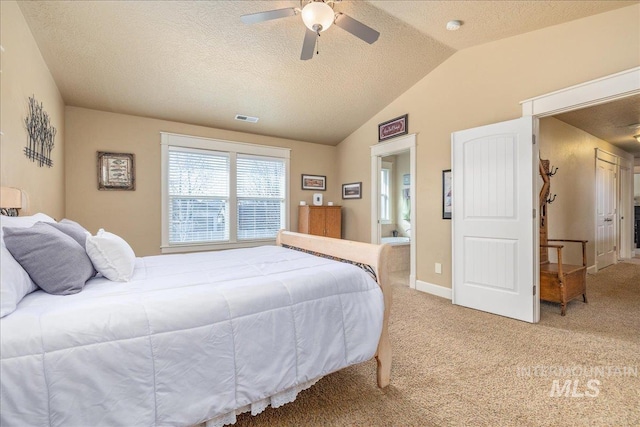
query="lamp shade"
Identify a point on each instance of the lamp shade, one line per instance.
(319, 15)
(10, 198)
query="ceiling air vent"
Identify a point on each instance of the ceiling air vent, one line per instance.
(246, 118)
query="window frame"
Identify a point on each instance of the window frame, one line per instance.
(232, 148)
(389, 167)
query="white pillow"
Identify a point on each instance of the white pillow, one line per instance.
(15, 282)
(111, 256)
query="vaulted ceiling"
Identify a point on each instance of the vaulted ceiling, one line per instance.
(196, 62)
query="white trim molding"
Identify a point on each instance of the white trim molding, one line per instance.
(594, 92)
(397, 145)
(437, 290)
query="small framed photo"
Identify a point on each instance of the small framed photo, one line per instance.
(352, 191)
(392, 128)
(116, 171)
(314, 182)
(446, 194)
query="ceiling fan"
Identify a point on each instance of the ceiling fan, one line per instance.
(318, 16)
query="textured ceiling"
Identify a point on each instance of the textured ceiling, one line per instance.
(196, 62)
(615, 122)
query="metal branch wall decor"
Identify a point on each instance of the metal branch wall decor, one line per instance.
(41, 134)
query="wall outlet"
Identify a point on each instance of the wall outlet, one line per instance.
(438, 268)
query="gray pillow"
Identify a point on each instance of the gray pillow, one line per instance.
(54, 260)
(73, 229)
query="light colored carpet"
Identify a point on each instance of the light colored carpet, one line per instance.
(634, 260)
(460, 367)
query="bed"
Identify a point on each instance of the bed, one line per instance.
(196, 338)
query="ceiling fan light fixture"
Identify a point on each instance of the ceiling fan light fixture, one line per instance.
(637, 137)
(318, 16)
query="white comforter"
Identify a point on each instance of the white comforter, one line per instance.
(191, 337)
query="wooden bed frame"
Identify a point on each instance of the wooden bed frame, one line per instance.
(372, 255)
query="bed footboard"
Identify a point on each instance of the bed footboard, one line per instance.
(372, 255)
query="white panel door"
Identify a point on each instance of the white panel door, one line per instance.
(606, 217)
(494, 230)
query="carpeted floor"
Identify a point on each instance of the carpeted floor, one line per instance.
(460, 367)
(634, 260)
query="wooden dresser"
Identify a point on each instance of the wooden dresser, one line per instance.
(320, 220)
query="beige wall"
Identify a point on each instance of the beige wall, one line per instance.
(135, 215)
(25, 74)
(572, 214)
(477, 86)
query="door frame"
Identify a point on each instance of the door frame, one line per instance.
(626, 215)
(599, 91)
(378, 151)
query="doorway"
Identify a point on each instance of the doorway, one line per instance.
(616, 86)
(393, 203)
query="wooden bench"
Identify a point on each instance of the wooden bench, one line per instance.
(560, 283)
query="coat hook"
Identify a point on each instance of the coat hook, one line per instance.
(551, 199)
(552, 172)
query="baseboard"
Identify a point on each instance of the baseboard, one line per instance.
(592, 269)
(432, 289)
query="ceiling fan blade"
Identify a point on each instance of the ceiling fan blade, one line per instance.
(357, 28)
(309, 44)
(253, 18)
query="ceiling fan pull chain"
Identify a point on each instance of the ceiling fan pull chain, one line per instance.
(318, 44)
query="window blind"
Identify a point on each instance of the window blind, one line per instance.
(198, 190)
(260, 196)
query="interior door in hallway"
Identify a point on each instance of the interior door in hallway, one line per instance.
(606, 210)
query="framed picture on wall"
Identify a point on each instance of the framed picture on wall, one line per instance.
(116, 171)
(392, 128)
(352, 191)
(314, 182)
(446, 194)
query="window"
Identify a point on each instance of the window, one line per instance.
(221, 194)
(385, 193)
(261, 201)
(198, 196)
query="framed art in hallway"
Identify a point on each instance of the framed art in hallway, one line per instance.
(116, 171)
(352, 191)
(446, 194)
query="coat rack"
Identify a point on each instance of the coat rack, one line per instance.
(559, 282)
(546, 172)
